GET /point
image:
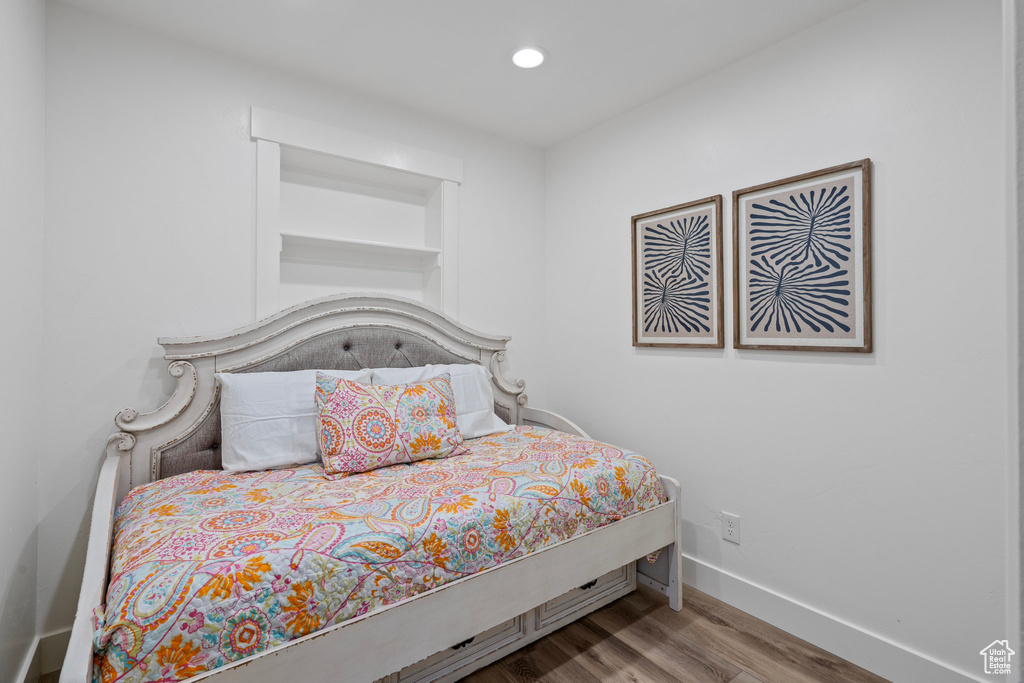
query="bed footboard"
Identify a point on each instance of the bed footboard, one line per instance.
(666, 575)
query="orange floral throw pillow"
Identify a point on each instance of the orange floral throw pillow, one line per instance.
(363, 427)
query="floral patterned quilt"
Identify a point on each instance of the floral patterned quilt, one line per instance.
(210, 567)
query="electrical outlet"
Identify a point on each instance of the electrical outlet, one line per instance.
(731, 527)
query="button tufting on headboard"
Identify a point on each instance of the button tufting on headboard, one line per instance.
(352, 349)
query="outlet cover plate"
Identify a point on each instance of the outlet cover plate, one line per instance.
(731, 527)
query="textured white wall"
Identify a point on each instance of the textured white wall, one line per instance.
(871, 488)
(22, 60)
(150, 216)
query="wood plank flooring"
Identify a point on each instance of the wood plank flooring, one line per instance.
(637, 639)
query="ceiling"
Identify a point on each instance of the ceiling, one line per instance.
(451, 58)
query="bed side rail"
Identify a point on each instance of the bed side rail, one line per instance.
(545, 418)
(77, 667)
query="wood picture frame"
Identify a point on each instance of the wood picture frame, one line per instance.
(677, 276)
(802, 262)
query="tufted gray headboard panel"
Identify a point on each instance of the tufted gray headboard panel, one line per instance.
(366, 347)
(355, 349)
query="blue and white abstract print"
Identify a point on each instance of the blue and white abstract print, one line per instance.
(802, 275)
(796, 295)
(812, 225)
(680, 248)
(677, 286)
(675, 305)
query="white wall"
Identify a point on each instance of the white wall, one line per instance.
(895, 526)
(22, 59)
(150, 222)
(871, 489)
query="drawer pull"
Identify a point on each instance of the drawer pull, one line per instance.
(463, 644)
(588, 585)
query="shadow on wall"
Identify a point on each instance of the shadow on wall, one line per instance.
(814, 357)
(804, 357)
(64, 602)
(19, 599)
(678, 352)
(75, 508)
(710, 553)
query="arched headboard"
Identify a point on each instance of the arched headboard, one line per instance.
(343, 332)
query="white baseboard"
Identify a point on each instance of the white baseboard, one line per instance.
(867, 650)
(45, 655)
(30, 667)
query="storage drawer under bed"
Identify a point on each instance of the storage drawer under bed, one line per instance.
(463, 658)
(456, 657)
(556, 613)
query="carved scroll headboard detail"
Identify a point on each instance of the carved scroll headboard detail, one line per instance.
(345, 332)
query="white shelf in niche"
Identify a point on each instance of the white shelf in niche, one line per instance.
(338, 211)
(317, 249)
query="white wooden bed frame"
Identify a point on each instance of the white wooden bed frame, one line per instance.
(524, 598)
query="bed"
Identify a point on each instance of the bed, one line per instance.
(471, 612)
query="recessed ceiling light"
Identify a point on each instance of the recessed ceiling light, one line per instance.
(528, 57)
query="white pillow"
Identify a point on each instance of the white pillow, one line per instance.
(474, 399)
(269, 419)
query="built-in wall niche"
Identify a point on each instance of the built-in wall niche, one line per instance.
(338, 211)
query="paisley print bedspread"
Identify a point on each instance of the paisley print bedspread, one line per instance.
(210, 567)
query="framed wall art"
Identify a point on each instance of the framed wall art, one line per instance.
(677, 276)
(802, 262)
